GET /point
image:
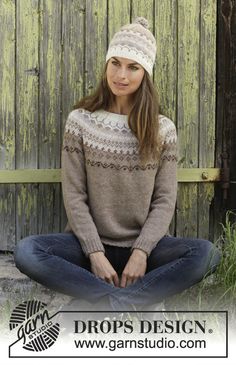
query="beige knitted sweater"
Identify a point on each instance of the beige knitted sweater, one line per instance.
(109, 196)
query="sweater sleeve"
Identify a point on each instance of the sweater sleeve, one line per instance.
(74, 188)
(164, 195)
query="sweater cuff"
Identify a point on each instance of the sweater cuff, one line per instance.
(143, 245)
(138, 248)
(91, 245)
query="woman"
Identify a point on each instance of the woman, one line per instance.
(119, 181)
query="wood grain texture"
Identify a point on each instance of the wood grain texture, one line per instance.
(95, 42)
(73, 44)
(122, 10)
(165, 70)
(207, 117)
(144, 9)
(49, 137)
(27, 112)
(7, 121)
(225, 109)
(188, 112)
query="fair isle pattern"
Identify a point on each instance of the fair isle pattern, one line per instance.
(130, 36)
(110, 196)
(129, 41)
(122, 167)
(107, 141)
(136, 42)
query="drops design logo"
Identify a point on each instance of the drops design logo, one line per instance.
(34, 326)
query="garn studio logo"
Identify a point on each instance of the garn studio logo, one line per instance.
(34, 325)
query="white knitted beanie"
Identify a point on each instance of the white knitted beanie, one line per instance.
(136, 42)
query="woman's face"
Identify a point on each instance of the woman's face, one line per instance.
(124, 76)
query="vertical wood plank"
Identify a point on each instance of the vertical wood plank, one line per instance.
(225, 108)
(122, 9)
(207, 109)
(73, 59)
(27, 111)
(73, 43)
(7, 125)
(226, 87)
(143, 9)
(49, 112)
(96, 42)
(165, 75)
(165, 71)
(230, 96)
(188, 112)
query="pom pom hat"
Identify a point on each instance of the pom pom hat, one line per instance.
(134, 41)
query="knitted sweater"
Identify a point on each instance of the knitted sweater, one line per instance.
(109, 196)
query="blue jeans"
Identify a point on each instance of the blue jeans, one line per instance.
(58, 262)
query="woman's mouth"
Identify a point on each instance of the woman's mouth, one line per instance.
(120, 85)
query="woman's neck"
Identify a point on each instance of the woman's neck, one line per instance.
(120, 108)
(118, 111)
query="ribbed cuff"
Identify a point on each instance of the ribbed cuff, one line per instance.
(143, 245)
(138, 248)
(91, 245)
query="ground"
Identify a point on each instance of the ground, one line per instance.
(16, 287)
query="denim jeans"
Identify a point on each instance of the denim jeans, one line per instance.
(58, 262)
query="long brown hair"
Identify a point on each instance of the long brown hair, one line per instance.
(143, 118)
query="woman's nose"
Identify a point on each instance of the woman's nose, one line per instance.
(122, 72)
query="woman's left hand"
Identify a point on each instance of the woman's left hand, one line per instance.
(135, 268)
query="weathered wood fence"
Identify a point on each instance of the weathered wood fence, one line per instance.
(52, 53)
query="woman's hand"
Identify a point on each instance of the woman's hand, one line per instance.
(135, 268)
(102, 268)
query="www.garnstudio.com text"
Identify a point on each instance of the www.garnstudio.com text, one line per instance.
(146, 343)
(144, 326)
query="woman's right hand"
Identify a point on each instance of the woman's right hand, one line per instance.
(102, 268)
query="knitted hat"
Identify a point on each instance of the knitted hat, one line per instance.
(136, 42)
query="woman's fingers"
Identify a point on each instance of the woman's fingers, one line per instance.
(116, 280)
(135, 268)
(102, 268)
(113, 279)
(128, 280)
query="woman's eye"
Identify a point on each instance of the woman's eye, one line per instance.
(131, 67)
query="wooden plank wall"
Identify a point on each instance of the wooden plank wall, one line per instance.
(52, 53)
(226, 98)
